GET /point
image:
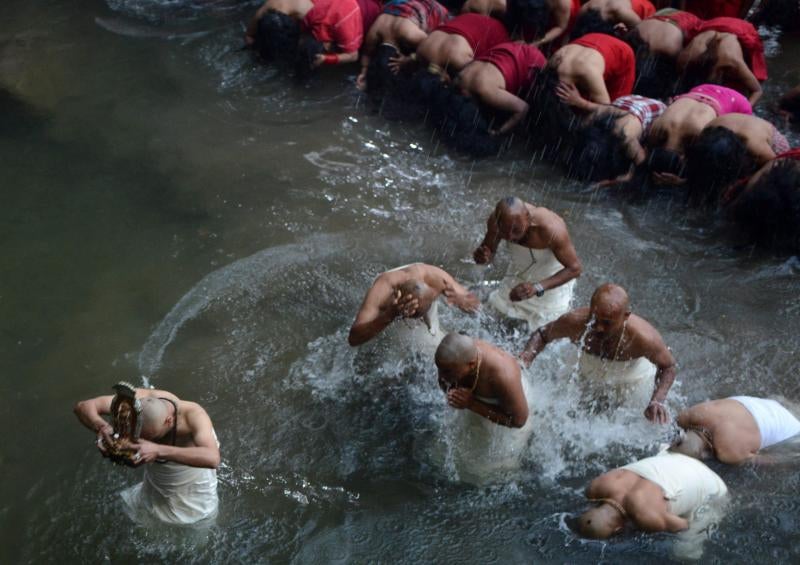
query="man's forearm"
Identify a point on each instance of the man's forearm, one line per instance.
(535, 344)
(664, 378)
(88, 415)
(192, 456)
(362, 333)
(561, 277)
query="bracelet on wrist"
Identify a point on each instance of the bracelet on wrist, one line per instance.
(330, 59)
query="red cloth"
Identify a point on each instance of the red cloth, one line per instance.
(793, 154)
(620, 72)
(481, 32)
(338, 21)
(748, 38)
(708, 9)
(687, 22)
(370, 10)
(643, 8)
(516, 62)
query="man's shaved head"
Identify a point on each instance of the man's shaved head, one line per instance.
(692, 444)
(610, 309)
(155, 413)
(424, 294)
(456, 349)
(512, 218)
(601, 522)
(612, 296)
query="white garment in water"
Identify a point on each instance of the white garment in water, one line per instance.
(628, 382)
(532, 265)
(481, 451)
(173, 493)
(775, 422)
(687, 483)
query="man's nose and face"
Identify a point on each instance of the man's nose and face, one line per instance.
(512, 228)
(452, 375)
(607, 320)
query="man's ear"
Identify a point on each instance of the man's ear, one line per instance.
(627, 315)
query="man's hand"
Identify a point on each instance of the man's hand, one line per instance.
(656, 412)
(319, 59)
(482, 255)
(146, 452)
(522, 291)
(104, 439)
(467, 302)
(459, 398)
(403, 305)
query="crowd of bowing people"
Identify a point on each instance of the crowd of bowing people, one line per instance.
(619, 93)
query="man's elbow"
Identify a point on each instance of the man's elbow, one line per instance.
(354, 339)
(214, 460)
(79, 408)
(576, 270)
(519, 420)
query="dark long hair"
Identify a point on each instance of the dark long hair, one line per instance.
(769, 211)
(600, 151)
(591, 22)
(531, 16)
(277, 36)
(716, 159)
(656, 76)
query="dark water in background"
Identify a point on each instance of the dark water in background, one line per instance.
(175, 214)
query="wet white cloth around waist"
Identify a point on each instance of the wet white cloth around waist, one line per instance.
(631, 372)
(775, 422)
(686, 482)
(532, 265)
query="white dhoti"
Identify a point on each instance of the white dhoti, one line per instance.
(532, 265)
(686, 482)
(480, 451)
(775, 422)
(173, 493)
(621, 382)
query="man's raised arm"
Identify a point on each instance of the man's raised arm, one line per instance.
(557, 329)
(488, 247)
(658, 354)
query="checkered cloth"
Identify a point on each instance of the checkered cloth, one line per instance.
(645, 109)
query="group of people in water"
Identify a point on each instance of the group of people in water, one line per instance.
(615, 91)
(618, 91)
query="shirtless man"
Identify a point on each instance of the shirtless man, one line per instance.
(407, 292)
(681, 123)
(605, 16)
(734, 429)
(656, 494)
(730, 147)
(335, 29)
(178, 448)
(482, 378)
(403, 24)
(453, 45)
(544, 266)
(617, 346)
(725, 51)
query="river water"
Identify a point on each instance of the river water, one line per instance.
(178, 215)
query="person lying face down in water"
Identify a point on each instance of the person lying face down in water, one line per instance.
(497, 79)
(332, 30)
(609, 140)
(681, 124)
(729, 148)
(656, 494)
(616, 347)
(726, 51)
(608, 16)
(538, 286)
(178, 449)
(403, 25)
(453, 45)
(734, 429)
(483, 378)
(407, 292)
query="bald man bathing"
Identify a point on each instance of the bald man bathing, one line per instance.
(179, 451)
(656, 494)
(410, 293)
(620, 350)
(544, 265)
(734, 429)
(483, 378)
